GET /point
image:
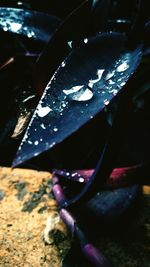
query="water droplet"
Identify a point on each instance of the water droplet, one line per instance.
(43, 126)
(74, 174)
(106, 101)
(73, 89)
(41, 139)
(70, 44)
(63, 64)
(30, 34)
(55, 129)
(83, 95)
(85, 40)
(63, 104)
(5, 28)
(123, 83)
(15, 26)
(124, 66)
(19, 3)
(99, 74)
(30, 142)
(43, 111)
(36, 143)
(51, 145)
(111, 82)
(109, 75)
(81, 180)
(114, 91)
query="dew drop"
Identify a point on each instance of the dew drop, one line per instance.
(55, 129)
(106, 101)
(109, 75)
(63, 64)
(123, 83)
(99, 74)
(114, 91)
(85, 95)
(81, 180)
(85, 40)
(74, 174)
(111, 82)
(15, 26)
(70, 44)
(124, 66)
(36, 143)
(43, 111)
(63, 104)
(73, 89)
(43, 126)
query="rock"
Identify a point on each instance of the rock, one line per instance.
(26, 209)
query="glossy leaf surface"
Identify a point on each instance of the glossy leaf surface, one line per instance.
(80, 88)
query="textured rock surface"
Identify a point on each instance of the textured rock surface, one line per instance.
(31, 233)
(26, 210)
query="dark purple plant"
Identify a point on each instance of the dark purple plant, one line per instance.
(89, 73)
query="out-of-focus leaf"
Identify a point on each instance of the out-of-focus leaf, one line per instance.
(80, 88)
(32, 24)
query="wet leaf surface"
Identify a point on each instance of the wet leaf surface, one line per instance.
(80, 88)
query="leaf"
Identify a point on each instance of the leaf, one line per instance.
(32, 24)
(80, 88)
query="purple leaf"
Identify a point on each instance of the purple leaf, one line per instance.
(32, 24)
(80, 88)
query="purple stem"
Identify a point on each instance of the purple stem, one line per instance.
(59, 194)
(68, 220)
(90, 251)
(95, 256)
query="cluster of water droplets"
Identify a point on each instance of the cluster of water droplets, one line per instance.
(108, 82)
(13, 20)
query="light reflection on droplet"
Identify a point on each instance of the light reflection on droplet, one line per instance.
(74, 89)
(106, 101)
(43, 126)
(123, 83)
(15, 26)
(111, 82)
(43, 111)
(63, 64)
(55, 129)
(109, 75)
(122, 67)
(81, 180)
(70, 44)
(99, 74)
(85, 95)
(114, 91)
(36, 143)
(85, 40)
